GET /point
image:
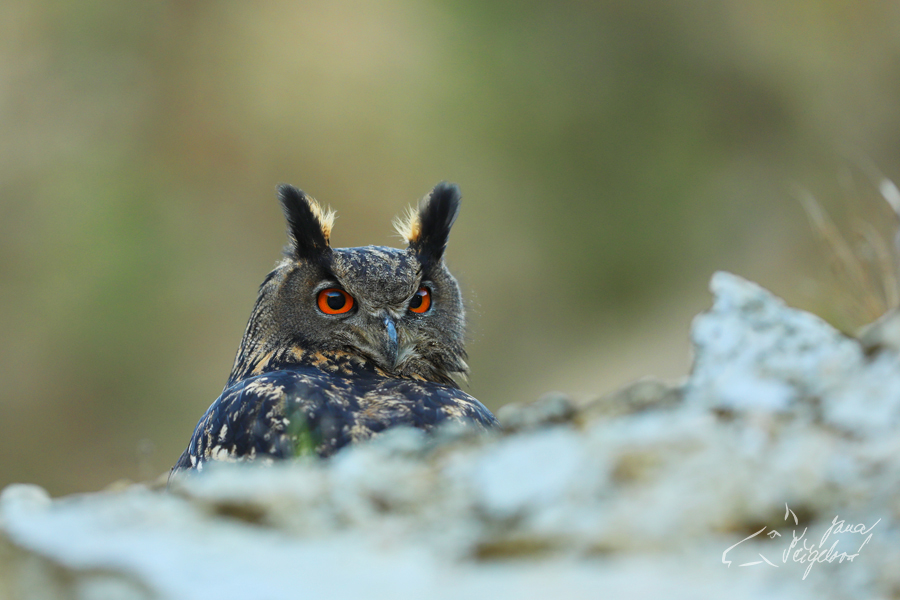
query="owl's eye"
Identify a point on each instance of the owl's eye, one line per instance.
(421, 301)
(334, 301)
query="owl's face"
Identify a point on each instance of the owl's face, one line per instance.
(380, 303)
(400, 310)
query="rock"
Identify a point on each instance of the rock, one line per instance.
(552, 407)
(883, 334)
(754, 353)
(784, 425)
(644, 394)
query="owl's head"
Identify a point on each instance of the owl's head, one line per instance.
(397, 310)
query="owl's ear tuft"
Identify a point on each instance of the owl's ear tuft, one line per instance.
(309, 225)
(427, 228)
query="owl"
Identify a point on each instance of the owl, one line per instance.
(344, 343)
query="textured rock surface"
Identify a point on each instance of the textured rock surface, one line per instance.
(634, 495)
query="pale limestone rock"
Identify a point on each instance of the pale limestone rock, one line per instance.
(637, 495)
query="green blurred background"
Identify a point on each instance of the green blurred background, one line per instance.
(612, 155)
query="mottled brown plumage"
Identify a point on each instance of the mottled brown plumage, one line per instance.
(344, 343)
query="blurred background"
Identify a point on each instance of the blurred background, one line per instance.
(612, 155)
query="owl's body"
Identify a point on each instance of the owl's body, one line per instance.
(344, 343)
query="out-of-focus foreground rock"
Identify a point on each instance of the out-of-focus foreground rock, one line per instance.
(784, 426)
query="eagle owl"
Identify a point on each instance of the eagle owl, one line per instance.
(344, 343)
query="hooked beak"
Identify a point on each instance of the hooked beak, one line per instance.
(390, 346)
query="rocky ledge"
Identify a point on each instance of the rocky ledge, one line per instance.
(772, 471)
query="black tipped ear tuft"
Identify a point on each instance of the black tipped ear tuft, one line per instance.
(309, 227)
(430, 226)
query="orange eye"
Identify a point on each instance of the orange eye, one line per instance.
(334, 301)
(421, 301)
